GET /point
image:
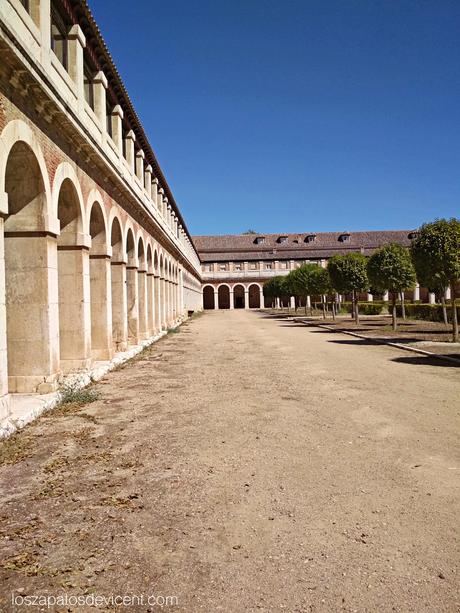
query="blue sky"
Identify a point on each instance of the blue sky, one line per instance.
(297, 115)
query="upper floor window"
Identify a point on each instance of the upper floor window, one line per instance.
(344, 238)
(238, 266)
(310, 238)
(253, 265)
(222, 266)
(283, 264)
(259, 240)
(59, 30)
(282, 239)
(268, 265)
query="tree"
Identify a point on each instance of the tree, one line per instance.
(250, 232)
(301, 280)
(320, 284)
(436, 256)
(273, 288)
(390, 268)
(348, 274)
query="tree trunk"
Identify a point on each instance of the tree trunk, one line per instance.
(454, 311)
(324, 307)
(403, 306)
(444, 308)
(333, 308)
(393, 311)
(355, 300)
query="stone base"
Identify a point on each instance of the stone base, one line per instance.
(74, 366)
(33, 384)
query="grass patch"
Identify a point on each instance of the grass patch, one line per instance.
(73, 393)
(15, 449)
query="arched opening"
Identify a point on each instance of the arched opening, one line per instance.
(73, 283)
(150, 293)
(100, 287)
(119, 289)
(254, 296)
(142, 289)
(132, 290)
(223, 294)
(238, 297)
(208, 297)
(162, 293)
(32, 335)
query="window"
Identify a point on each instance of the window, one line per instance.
(253, 265)
(59, 31)
(282, 239)
(268, 266)
(310, 238)
(344, 238)
(88, 75)
(222, 266)
(260, 240)
(238, 266)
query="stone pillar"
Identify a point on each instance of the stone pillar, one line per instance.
(262, 298)
(164, 322)
(143, 302)
(292, 302)
(129, 149)
(155, 191)
(160, 201)
(139, 164)
(101, 306)
(76, 42)
(370, 297)
(119, 306)
(416, 294)
(216, 299)
(448, 293)
(157, 299)
(74, 305)
(117, 129)
(100, 107)
(232, 299)
(308, 303)
(29, 316)
(133, 303)
(246, 298)
(385, 296)
(148, 181)
(277, 303)
(431, 298)
(151, 303)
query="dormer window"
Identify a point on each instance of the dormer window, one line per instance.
(344, 238)
(282, 239)
(259, 240)
(412, 235)
(310, 238)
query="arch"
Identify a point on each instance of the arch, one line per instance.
(130, 247)
(208, 297)
(116, 240)
(17, 131)
(141, 255)
(239, 298)
(95, 198)
(156, 264)
(254, 296)
(97, 227)
(132, 286)
(30, 273)
(149, 259)
(223, 295)
(118, 286)
(65, 174)
(142, 288)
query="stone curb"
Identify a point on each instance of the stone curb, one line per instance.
(11, 424)
(378, 341)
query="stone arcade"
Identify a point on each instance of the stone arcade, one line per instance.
(95, 255)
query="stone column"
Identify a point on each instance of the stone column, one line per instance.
(160, 201)
(157, 299)
(29, 316)
(133, 303)
(308, 302)
(246, 298)
(151, 303)
(232, 299)
(431, 298)
(370, 297)
(119, 305)
(277, 303)
(140, 155)
(143, 302)
(117, 128)
(76, 42)
(262, 298)
(129, 149)
(164, 321)
(100, 106)
(74, 305)
(385, 296)
(101, 305)
(416, 294)
(148, 181)
(292, 302)
(216, 299)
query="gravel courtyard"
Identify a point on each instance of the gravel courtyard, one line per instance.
(245, 463)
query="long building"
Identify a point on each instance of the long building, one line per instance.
(235, 267)
(95, 255)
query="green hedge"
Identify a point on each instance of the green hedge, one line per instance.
(366, 308)
(427, 312)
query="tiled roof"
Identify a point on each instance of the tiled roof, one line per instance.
(243, 247)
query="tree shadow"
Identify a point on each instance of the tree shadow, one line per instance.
(428, 360)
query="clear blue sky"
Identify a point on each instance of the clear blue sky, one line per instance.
(296, 115)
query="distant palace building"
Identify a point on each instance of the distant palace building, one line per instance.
(235, 267)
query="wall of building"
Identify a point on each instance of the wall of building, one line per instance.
(94, 256)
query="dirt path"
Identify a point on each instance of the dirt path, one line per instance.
(244, 464)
